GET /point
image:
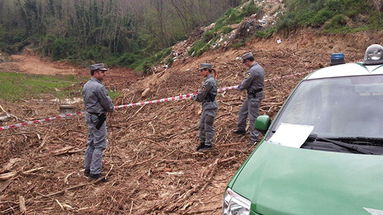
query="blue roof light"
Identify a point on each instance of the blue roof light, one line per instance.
(337, 58)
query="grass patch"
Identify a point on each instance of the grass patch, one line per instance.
(114, 94)
(144, 64)
(199, 48)
(235, 15)
(266, 33)
(238, 44)
(141, 62)
(16, 86)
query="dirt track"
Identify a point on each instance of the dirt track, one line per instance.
(151, 159)
(33, 64)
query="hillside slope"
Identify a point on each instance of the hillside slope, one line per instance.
(152, 165)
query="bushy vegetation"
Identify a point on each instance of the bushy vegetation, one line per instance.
(117, 31)
(330, 15)
(143, 64)
(266, 33)
(222, 26)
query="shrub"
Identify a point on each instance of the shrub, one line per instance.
(266, 33)
(127, 59)
(198, 48)
(58, 48)
(231, 16)
(336, 22)
(226, 30)
(332, 13)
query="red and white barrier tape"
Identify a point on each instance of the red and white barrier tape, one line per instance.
(170, 99)
(62, 116)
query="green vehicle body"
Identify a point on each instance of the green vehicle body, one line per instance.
(280, 180)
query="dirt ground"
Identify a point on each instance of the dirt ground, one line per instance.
(151, 161)
(30, 63)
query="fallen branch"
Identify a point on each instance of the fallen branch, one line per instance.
(107, 174)
(223, 115)
(9, 202)
(70, 152)
(43, 142)
(77, 186)
(61, 206)
(70, 188)
(176, 134)
(200, 187)
(5, 187)
(66, 177)
(32, 170)
(23, 209)
(153, 130)
(232, 144)
(136, 113)
(63, 150)
(66, 150)
(211, 175)
(9, 210)
(10, 165)
(9, 175)
(228, 159)
(8, 115)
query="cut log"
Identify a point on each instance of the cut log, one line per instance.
(8, 175)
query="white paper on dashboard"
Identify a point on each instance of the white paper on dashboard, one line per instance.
(291, 135)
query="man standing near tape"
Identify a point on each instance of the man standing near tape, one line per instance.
(253, 84)
(97, 103)
(209, 106)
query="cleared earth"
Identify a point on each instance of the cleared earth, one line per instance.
(151, 161)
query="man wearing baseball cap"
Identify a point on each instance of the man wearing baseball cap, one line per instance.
(97, 103)
(253, 84)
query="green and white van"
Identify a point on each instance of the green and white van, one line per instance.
(322, 154)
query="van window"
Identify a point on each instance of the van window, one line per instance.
(338, 107)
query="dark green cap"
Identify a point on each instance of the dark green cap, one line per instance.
(205, 66)
(247, 56)
(99, 66)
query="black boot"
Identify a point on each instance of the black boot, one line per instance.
(239, 131)
(87, 172)
(97, 177)
(204, 147)
(201, 145)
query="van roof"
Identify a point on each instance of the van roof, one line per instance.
(349, 69)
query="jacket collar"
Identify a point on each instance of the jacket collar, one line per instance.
(255, 64)
(209, 76)
(95, 79)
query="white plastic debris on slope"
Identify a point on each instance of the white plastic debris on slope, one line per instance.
(263, 22)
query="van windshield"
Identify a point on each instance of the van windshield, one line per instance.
(338, 107)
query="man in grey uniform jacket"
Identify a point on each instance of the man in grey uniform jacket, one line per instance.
(209, 106)
(97, 103)
(253, 84)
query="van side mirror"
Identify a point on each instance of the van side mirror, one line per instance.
(262, 123)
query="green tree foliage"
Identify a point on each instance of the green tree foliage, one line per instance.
(116, 31)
